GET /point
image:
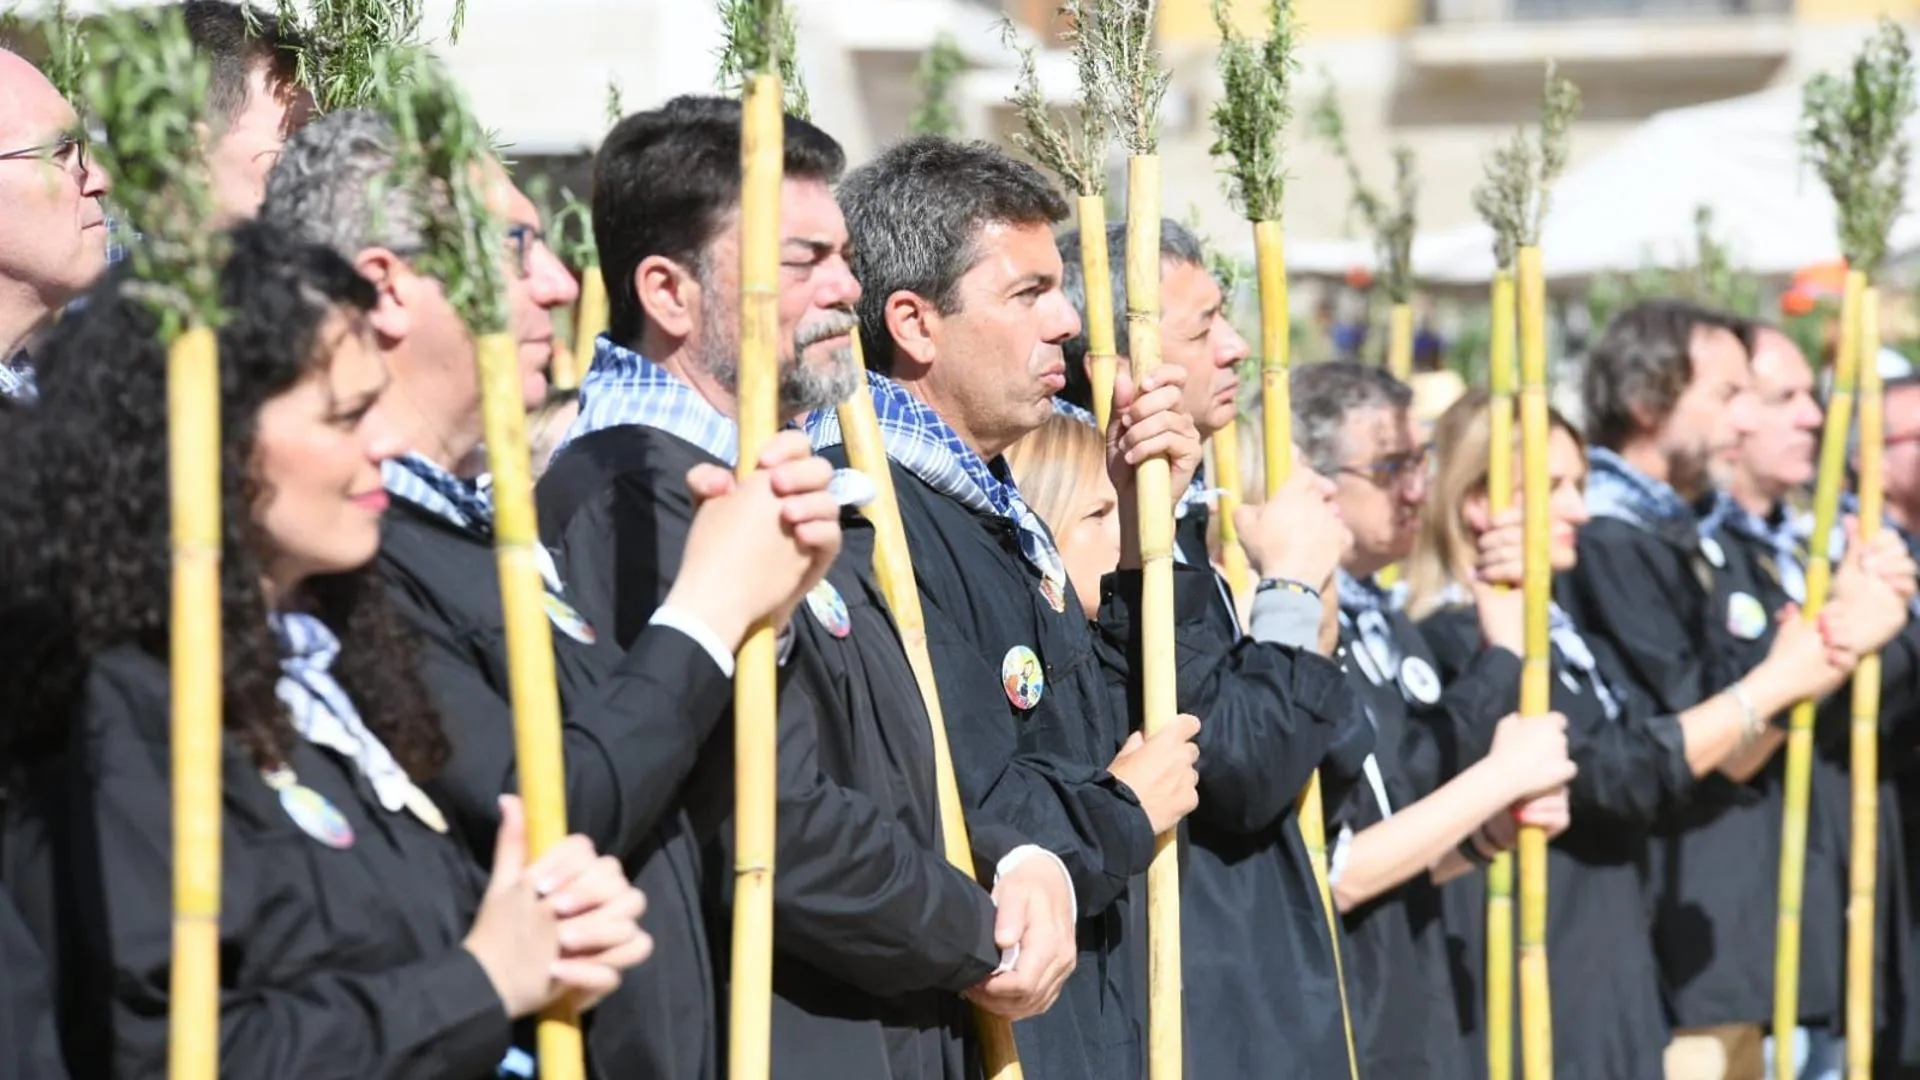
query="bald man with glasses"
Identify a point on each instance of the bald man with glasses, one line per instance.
(53, 226)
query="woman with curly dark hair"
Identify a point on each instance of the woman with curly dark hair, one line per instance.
(357, 939)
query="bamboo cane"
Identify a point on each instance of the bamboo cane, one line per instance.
(1276, 353)
(531, 686)
(589, 322)
(1864, 858)
(755, 761)
(893, 565)
(1793, 831)
(1499, 501)
(193, 465)
(1400, 341)
(1536, 1015)
(1226, 476)
(1102, 354)
(1153, 494)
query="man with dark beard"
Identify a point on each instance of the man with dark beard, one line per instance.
(875, 934)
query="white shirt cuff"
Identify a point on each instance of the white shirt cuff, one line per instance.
(1006, 865)
(673, 618)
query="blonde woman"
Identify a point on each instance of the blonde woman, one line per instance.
(1636, 766)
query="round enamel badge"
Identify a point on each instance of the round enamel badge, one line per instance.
(830, 608)
(316, 816)
(1712, 550)
(1025, 681)
(569, 621)
(1418, 681)
(1746, 618)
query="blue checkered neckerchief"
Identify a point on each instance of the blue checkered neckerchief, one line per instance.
(1198, 495)
(465, 504)
(321, 711)
(1069, 409)
(1617, 490)
(1365, 607)
(1566, 639)
(926, 446)
(16, 379)
(623, 387)
(1782, 533)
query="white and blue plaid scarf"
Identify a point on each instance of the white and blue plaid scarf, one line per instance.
(926, 446)
(16, 379)
(1783, 536)
(467, 505)
(1617, 490)
(623, 387)
(1364, 608)
(1566, 639)
(321, 711)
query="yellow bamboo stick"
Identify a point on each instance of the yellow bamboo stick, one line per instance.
(1501, 376)
(893, 565)
(1276, 406)
(1863, 871)
(589, 322)
(1152, 490)
(1400, 341)
(1226, 477)
(762, 137)
(1101, 350)
(193, 467)
(1799, 770)
(1536, 1008)
(530, 671)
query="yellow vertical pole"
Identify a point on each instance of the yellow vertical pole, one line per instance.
(1400, 341)
(1864, 860)
(762, 138)
(1101, 358)
(1501, 375)
(590, 321)
(1536, 1009)
(1226, 477)
(193, 467)
(1799, 769)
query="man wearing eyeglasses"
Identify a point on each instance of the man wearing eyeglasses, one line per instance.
(53, 227)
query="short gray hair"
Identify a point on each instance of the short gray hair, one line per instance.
(1324, 395)
(1178, 246)
(335, 185)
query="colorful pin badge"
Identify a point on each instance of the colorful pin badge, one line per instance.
(830, 608)
(1746, 618)
(1022, 676)
(310, 810)
(1055, 590)
(569, 621)
(1418, 681)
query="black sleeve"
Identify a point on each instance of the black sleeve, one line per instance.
(856, 895)
(436, 1017)
(628, 747)
(1482, 688)
(29, 1047)
(1627, 592)
(1079, 812)
(1268, 712)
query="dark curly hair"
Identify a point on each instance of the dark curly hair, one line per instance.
(85, 557)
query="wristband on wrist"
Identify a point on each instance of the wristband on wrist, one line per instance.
(1752, 724)
(1470, 851)
(1286, 585)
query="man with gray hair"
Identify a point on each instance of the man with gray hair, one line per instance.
(1258, 988)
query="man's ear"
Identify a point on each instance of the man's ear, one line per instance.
(913, 324)
(392, 314)
(669, 294)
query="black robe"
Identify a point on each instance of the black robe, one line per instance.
(635, 722)
(1257, 953)
(334, 961)
(1661, 601)
(1042, 770)
(1408, 989)
(875, 933)
(1830, 823)
(29, 1042)
(1610, 1023)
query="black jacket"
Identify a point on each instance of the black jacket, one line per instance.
(334, 961)
(1610, 1023)
(635, 722)
(875, 932)
(29, 1042)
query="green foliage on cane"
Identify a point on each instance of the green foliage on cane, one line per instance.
(940, 67)
(1077, 151)
(1559, 107)
(146, 89)
(442, 143)
(1712, 278)
(1392, 224)
(1853, 133)
(571, 232)
(342, 61)
(1113, 42)
(1254, 108)
(759, 38)
(1502, 198)
(67, 57)
(615, 110)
